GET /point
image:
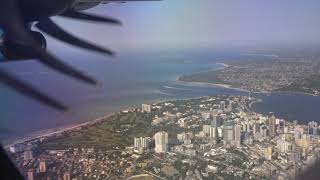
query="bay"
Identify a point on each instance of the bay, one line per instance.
(128, 81)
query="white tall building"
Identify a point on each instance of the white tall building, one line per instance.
(209, 131)
(298, 132)
(146, 108)
(212, 132)
(28, 155)
(237, 135)
(184, 136)
(161, 142)
(228, 132)
(141, 144)
(284, 146)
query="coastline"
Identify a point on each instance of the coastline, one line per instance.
(228, 86)
(201, 84)
(105, 116)
(54, 131)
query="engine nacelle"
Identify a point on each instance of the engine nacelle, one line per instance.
(15, 51)
(80, 5)
(34, 10)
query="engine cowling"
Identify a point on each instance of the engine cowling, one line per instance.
(15, 51)
(34, 10)
(80, 5)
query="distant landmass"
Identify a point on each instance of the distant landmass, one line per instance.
(296, 74)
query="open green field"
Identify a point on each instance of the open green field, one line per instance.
(117, 130)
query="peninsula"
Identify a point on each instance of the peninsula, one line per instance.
(266, 74)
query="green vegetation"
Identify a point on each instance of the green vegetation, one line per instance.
(309, 85)
(204, 77)
(117, 130)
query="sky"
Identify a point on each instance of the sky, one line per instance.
(203, 23)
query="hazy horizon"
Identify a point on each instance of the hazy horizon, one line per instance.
(202, 24)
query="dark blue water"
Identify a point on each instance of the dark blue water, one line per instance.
(128, 80)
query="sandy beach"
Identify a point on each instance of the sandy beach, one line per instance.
(54, 131)
(203, 84)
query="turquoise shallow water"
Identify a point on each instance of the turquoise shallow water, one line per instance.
(128, 80)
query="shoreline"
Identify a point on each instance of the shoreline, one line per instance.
(228, 86)
(66, 128)
(54, 131)
(105, 116)
(201, 84)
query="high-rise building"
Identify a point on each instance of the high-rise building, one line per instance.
(284, 146)
(66, 176)
(263, 131)
(298, 132)
(268, 153)
(272, 125)
(142, 144)
(146, 108)
(282, 126)
(256, 128)
(229, 106)
(313, 128)
(28, 155)
(212, 132)
(237, 135)
(42, 166)
(247, 126)
(216, 121)
(222, 105)
(30, 174)
(161, 142)
(228, 133)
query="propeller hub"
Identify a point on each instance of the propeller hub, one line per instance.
(18, 50)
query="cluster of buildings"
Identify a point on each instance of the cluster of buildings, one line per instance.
(282, 149)
(209, 137)
(74, 163)
(266, 76)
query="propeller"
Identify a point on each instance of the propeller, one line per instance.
(49, 27)
(19, 37)
(90, 17)
(27, 90)
(57, 65)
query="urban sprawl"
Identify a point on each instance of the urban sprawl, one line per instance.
(216, 137)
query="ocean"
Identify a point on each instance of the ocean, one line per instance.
(128, 80)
